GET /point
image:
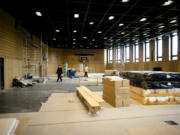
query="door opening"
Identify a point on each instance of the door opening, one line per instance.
(1, 73)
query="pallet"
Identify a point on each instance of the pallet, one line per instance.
(92, 105)
(93, 95)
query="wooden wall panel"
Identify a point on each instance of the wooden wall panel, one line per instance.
(13, 48)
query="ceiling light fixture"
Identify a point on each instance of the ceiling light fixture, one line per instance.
(91, 23)
(90, 43)
(99, 32)
(74, 39)
(173, 21)
(105, 37)
(76, 15)
(93, 40)
(38, 13)
(74, 43)
(57, 30)
(124, 1)
(121, 24)
(167, 3)
(162, 26)
(75, 31)
(143, 19)
(85, 37)
(96, 46)
(54, 39)
(111, 18)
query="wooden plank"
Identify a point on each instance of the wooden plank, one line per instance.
(92, 105)
(154, 130)
(93, 95)
(8, 126)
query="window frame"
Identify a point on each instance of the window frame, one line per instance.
(146, 59)
(158, 58)
(118, 54)
(171, 56)
(135, 52)
(110, 60)
(125, 58)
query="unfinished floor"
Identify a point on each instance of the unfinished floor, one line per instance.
(62, 113)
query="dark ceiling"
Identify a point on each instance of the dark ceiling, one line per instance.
(61, 17)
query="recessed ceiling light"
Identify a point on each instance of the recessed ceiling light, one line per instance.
(166, 3)
(74, 43)
(162, 26)
(93, 40)
(76, 15)
(143, 19)
(111, 18)
(122, 33)
(173, 21)
(91, 23)
(105, 37)
(96, 46)
(74, 39)
(90, 43)
(99, 32)
(81, 46)
(57, 30)
(85, 37)
(75, 31)
(121, 24)
(38, 13)
(54, 38)
(124, 1)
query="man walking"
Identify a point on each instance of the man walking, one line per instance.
(59, 72)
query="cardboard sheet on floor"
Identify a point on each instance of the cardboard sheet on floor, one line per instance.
(154, 130)
(8, 126)
(62, 102)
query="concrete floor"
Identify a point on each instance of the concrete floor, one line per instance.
(18, 100)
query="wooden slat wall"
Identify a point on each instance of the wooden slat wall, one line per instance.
(59, 56)
(13, 50)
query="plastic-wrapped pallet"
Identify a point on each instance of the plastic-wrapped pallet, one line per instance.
(116, 91)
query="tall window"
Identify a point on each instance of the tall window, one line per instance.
(110, 55)
(173, 46)
(136, 53)
(118, 55)
(126, 52)
(158, 49)
(105, 56)
(147, 51)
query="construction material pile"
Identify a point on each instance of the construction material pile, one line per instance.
(153, 79)
(154, 87)
(90, 99)
(116, 91)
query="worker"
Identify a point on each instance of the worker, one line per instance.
(86, 71)
(59, 72)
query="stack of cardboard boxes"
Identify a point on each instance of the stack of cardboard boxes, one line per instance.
(116, 91)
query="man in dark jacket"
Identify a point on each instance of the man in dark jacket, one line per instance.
(59, 72)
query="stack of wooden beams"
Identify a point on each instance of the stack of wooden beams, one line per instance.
(116, 91)
(90, 99)
(154, 87)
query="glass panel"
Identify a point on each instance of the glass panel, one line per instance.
(159, 49)
(174, 45)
